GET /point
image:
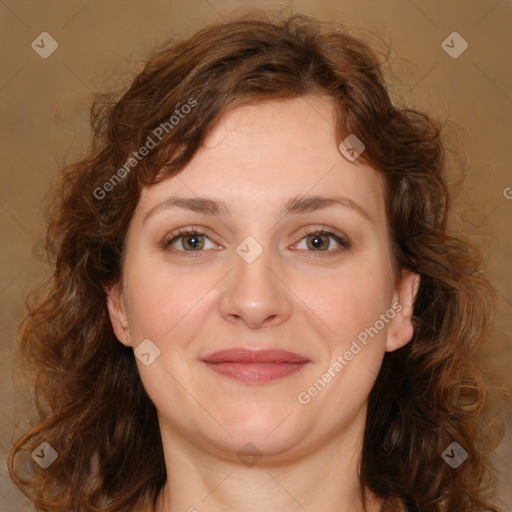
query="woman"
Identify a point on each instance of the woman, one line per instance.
(257, 303)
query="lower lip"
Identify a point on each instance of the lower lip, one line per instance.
(256, 372)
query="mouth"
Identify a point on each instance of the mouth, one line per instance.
(255, 366)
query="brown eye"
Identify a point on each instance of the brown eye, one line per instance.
(192, 240)
(320, 241)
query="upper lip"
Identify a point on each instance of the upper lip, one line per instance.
(242, 355)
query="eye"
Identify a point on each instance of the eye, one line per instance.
(318, 240)
(189, 239)
(194, 240)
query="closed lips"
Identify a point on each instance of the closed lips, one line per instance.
(255, 366)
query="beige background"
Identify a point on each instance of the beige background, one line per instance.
(44, 122)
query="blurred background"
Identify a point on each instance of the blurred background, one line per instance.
(450, 58)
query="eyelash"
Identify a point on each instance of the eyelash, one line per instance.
(183, 232)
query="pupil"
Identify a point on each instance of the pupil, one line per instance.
(317, 241)
(195, 241)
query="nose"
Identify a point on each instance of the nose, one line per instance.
(255, 292)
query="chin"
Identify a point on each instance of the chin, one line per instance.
(271, 429)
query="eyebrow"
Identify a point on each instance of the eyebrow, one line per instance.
(295, 205)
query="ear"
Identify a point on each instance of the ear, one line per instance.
(401, 328)
(117, 314)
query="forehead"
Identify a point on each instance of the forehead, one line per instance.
(261, 155)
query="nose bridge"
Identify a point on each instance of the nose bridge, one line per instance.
(254, 292)
(253, 261)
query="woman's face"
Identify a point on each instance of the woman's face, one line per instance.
(257, 278)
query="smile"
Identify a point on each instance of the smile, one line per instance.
(255, 366)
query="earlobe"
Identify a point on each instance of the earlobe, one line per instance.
(401, 327)
(117, 314)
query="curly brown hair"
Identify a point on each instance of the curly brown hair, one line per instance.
(93, 408)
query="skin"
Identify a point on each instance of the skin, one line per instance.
(292, 297)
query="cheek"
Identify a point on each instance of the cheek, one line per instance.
(350, 301)
(159, 301)
(351, 307)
